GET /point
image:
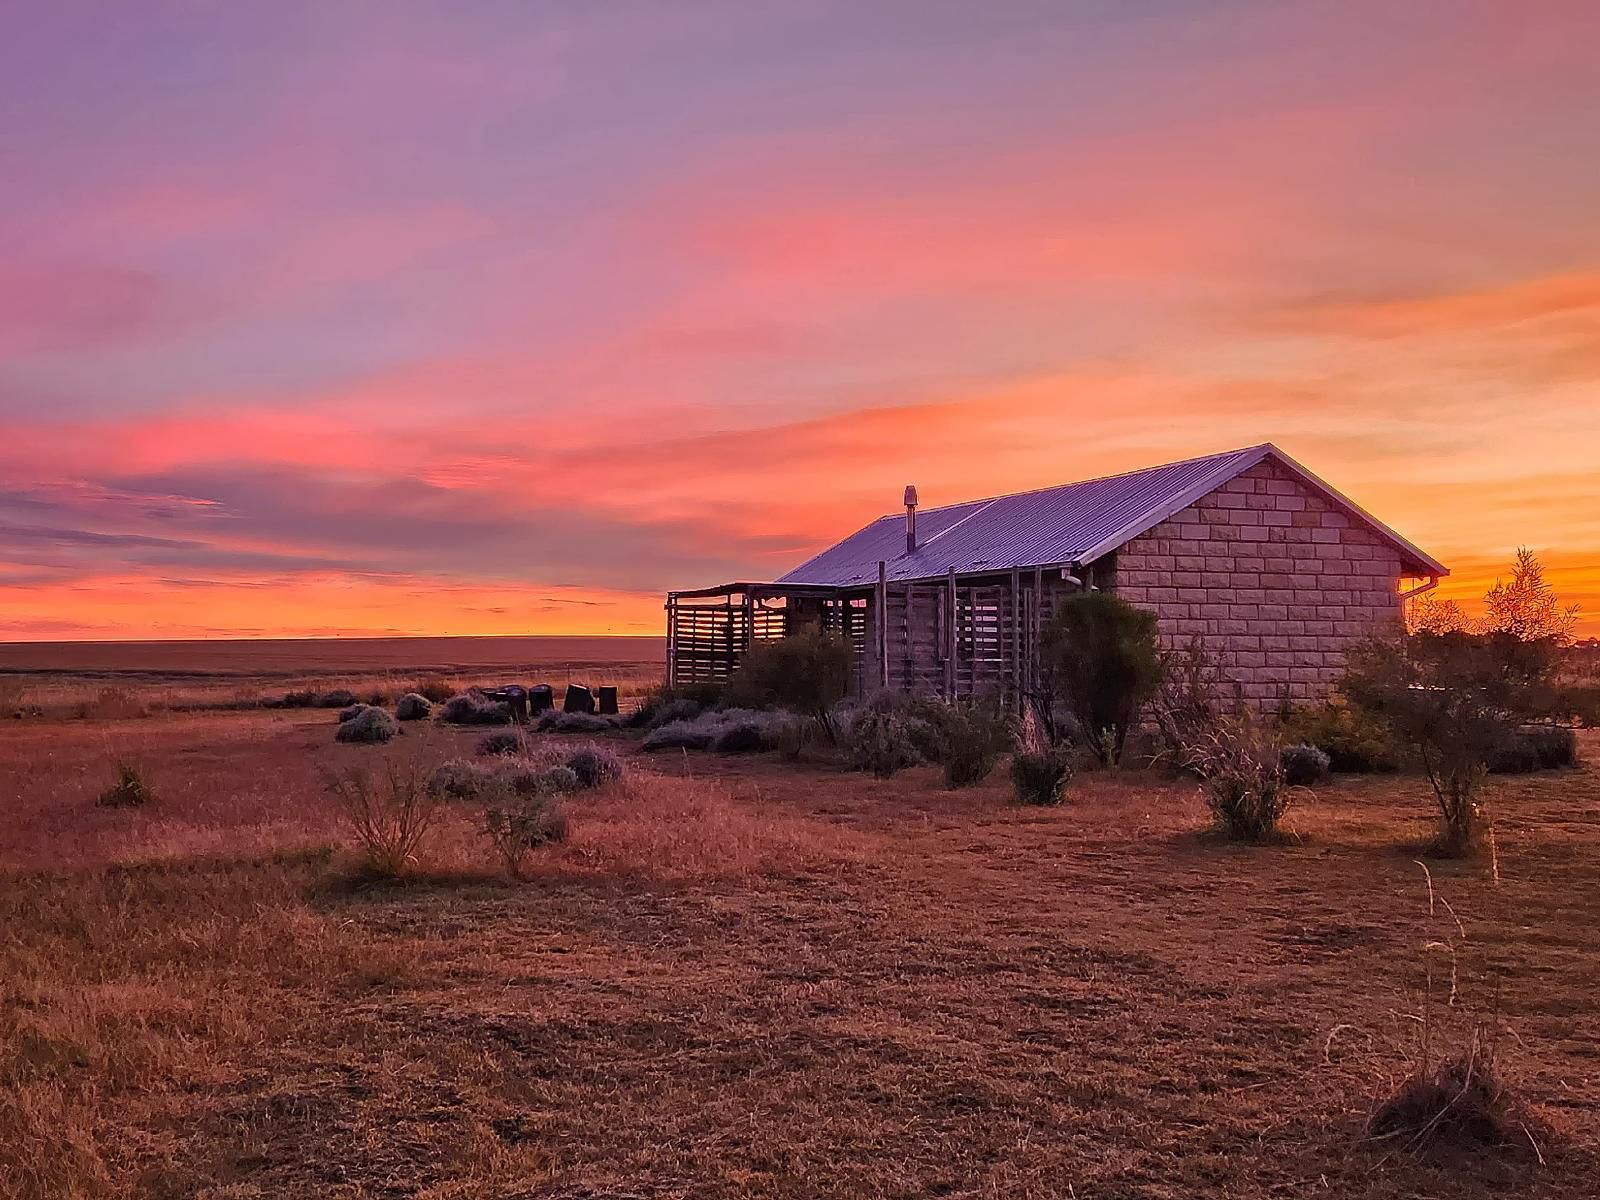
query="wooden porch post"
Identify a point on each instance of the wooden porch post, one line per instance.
(952, 640)
(882, 623)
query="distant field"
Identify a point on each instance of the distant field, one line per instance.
(62, 678)
(302, 656)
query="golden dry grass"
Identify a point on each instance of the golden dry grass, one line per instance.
(747, 977)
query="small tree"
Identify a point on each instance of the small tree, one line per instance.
(1526, 607)
(1457, 698)
(1101, 658)
(806, 672)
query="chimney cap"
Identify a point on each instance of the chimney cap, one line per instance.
(911, 495)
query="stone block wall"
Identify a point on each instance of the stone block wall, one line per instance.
(1275, 580)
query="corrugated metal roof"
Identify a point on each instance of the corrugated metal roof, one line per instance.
(1073, 523)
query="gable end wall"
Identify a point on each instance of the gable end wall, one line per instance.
(1275, 580)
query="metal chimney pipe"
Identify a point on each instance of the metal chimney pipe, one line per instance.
(911, 518)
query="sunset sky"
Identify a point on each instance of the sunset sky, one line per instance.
(506, 317)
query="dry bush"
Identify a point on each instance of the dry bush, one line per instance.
(594, 766)
(972, 736)
(1040, 771)
(575, 722)
(1455, 1099)
(470, 708)
(389, 812)
(337, 698)
(517, 825)
(112, 704)
(434, 691)
(413, 706)
(129, 791)
(501, 742)
(1303, 765)
(1238, 760)
(1459, 1103)
(368, 725)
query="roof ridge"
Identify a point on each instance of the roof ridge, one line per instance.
(1051, 487)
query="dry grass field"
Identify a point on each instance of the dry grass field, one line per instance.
(746, 977)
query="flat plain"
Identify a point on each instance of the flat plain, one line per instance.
(743, 976)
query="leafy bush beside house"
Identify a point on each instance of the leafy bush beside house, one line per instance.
(1099, 658)
(807, 673)
(1458, 701)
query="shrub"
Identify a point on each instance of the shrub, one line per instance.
(740, 736)
(729, 731)
(368, 725)
(594, 766)
(378, 698)
(516, 829)
(1579, 702)
(129, 791)
(1189, 698)
(413, 706)
(300, 698)
(575, 722)
(531, 780)
(1534, 748)
(1100, 660)
(880, 740)
(1459, 1103)
(389, 815)
(501, 742)
(338, 698)
(806, 672)
(458, 779)
(1303, 765)
(1040, 775)
(791, 735)
(681, 709)
(1354, 741)
(470, 708)
(349, 714)
(112, 704)
(679, 735)
(434, 691)
(973, 737)
(1241, 769)
(1458, 699)
(664, 704)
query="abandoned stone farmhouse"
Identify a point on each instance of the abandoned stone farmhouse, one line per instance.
(1274, 571)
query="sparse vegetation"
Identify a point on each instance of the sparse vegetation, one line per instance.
(880, 739)
(367, 725)
(501, 742)
(388, 812)
(972, 737)
(413, 706)
(129, 791)
(1241, 768)
(337, 698)
(470, 708)
(1040, 775)
(575, 722)
(595, 766)
(520, 824)
(697, 909)
(434, 691)
(1303, 765)
(1457, 699)
(727, 731)
(1354, 740)
(1535, 748)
